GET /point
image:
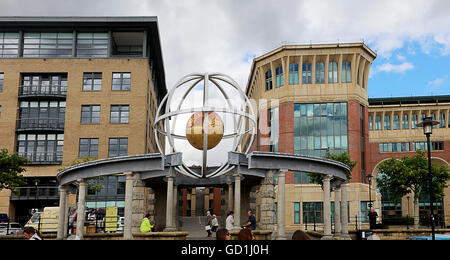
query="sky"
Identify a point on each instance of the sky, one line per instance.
(411, 37)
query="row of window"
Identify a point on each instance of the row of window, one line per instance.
(404, 124)
(405, 147)
(61, 44)
(119, 114)
(47, 148)
(57, 84)
(306, 74)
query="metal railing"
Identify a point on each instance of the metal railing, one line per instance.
(40, 124)
(42, 90)
(43, 158)
(40, 192)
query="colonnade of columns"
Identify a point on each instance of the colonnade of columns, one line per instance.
(341, 214)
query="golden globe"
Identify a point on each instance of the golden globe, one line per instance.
(195, 131)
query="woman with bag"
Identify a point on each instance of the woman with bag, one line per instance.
(208, 223)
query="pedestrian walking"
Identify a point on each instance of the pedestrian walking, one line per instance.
(229, 222)
(145, 224)
(208, 223)
(214, 223)
(251, 223)
(372, 218)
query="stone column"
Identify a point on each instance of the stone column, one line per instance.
(62, 211)
(281, 205)
(81, 208)
(128, 221)
(230, 197)
(267, 193)
(344, 213)
(326, 208)
(237, 201)
(337, 213)
(169, 204)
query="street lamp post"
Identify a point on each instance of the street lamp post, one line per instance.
(369, 178)
(427, 125)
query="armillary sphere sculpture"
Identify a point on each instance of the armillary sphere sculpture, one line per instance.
(205, 128)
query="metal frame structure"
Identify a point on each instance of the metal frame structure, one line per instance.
(239, 125)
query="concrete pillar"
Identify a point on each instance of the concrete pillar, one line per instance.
(230, 197)
(237, 201)
(66, 216)
(344, 213)
(326, 208)
(62, 211)
(174, 212)
(281, 205)
(169, 205)
(337, 213)
(128, 221)
(81, 208)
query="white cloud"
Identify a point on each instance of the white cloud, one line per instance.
(398, 68)
(437, 82)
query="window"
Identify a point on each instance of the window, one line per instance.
(41, 148)
(370, 123)
(2, 78)
(43, 84)
(332, 72)
(121, 81)
(296, 212)
(92, 44)
(279, 76)
(9, 44)
(268, 80)
(377, 122)
(320, 73)
(319, 128)
(90, 114)
(273, 119)
(405, 122)
(441, 120)
(301, 178)
(88, 147)
(414, 121)
(396, 122)
(312, 212)
(92, 81)
(120, 114)
(42, 114)
(0, 110)
(48, 44)
(346, 72)
(118, 147)
(393, 147)
(293, 73)
(433, 116)
(423, 146)
(387, 122)
(306, 73)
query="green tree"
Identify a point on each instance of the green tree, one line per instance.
(93, 183)
(11, 169)
(341, 157)
(409, 175)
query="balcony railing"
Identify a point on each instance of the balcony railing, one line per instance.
(43, 90)
(42, 158)
(49, 124)
(31, 193)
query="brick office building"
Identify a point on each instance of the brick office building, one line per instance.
(312, 99)
(74, 87)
